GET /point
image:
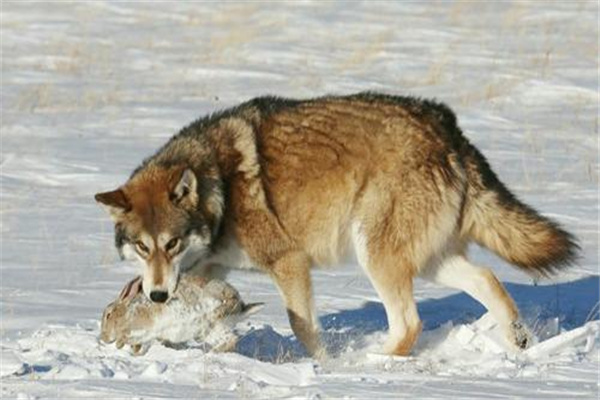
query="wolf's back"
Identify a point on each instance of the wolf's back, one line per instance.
(495, 218)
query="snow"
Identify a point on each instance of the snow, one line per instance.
(91, 88)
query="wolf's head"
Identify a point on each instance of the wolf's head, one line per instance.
(165, 217)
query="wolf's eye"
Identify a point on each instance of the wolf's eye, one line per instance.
(142, 248)
(172, 244)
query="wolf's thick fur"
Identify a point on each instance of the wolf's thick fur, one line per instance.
(283, 185)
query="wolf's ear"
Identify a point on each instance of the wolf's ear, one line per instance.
(115, 202)
(185, 191)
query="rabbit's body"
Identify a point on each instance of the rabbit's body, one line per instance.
(199, 310)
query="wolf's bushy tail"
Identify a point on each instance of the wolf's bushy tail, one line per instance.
(495, 218)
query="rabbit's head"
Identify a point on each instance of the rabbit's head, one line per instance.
(112, 317)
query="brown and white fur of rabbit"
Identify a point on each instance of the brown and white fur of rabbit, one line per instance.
(200, 310)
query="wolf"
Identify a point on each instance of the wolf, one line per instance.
(282, 185)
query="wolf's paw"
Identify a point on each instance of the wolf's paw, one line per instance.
(139, 349)
(520, 335)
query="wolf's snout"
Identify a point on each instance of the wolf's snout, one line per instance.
(159, 296)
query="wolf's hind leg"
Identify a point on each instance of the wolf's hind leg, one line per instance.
(394, 284)
(480, 283)
(392, 277)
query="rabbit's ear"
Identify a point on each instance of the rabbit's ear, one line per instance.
(131, 289)
(249, 309)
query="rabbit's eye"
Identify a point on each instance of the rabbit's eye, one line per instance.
(172, 244)
(141, 247)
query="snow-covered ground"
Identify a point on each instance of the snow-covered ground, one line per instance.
(90, 88)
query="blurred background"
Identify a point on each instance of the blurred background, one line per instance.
(91, 88)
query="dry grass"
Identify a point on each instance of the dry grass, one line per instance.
(34, 97)
(489, 91)
(49, 98)
(366, 53)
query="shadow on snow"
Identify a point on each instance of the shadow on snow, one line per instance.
(570, 304)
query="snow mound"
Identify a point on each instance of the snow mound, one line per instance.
(477, 349)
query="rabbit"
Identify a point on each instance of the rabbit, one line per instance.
(199, 310)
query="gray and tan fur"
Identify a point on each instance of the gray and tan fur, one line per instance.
(283, 185)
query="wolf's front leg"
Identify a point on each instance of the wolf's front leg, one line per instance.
(291, 274)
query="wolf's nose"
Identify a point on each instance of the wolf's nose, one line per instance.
(159, 297)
